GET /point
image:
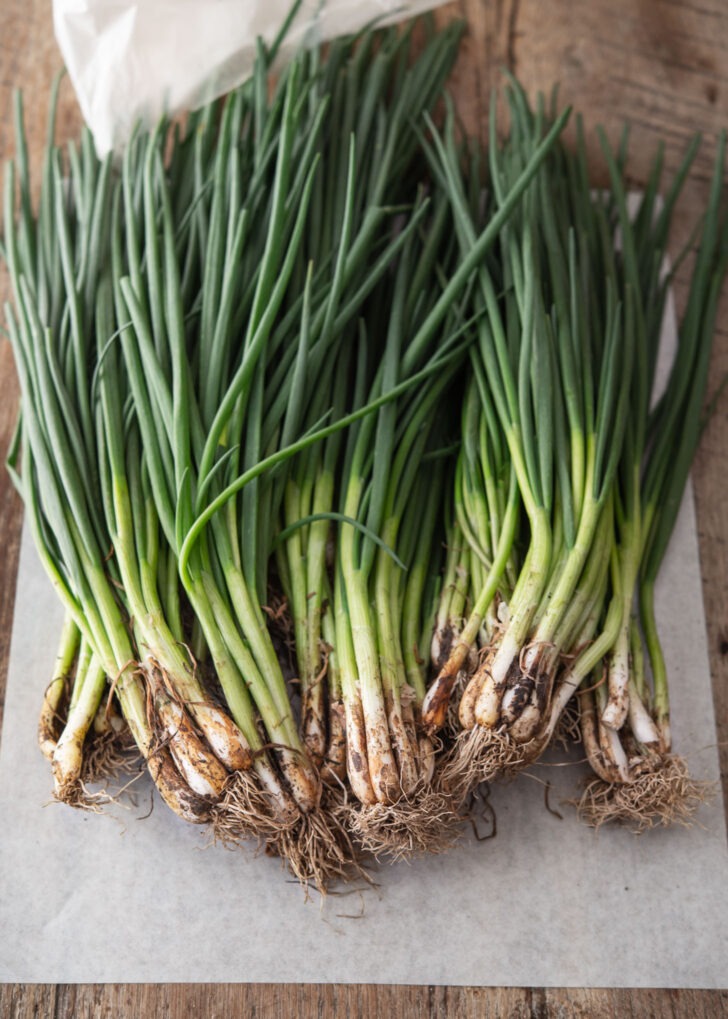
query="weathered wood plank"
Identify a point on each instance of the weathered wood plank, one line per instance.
(219, 1001)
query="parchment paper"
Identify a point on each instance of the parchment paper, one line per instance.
(549, 902)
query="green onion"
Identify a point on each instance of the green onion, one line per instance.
(627, 734)
(308, 405)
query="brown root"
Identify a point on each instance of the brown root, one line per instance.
(480, 755)
(318, 850)
(101, 758)
(661, 793)
(426, 821)
(108, 755)
(568, 727)
(75, 793)
(315, 846)
(280, 619)
(247, 812)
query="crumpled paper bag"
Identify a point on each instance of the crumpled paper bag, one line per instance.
(135, 61)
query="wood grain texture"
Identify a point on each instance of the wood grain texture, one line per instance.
(659, 64)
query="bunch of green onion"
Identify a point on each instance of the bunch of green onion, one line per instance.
(305, 406)
(568, 484)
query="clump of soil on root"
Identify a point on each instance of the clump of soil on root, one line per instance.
(662, 793)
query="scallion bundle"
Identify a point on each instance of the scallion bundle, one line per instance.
(341, 459)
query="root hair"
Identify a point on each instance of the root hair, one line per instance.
(315, 846)
(75, 793)
(109, 755)
(425, 821)
(318, 850)
(661, 793)
(246, 813)
(480, 755)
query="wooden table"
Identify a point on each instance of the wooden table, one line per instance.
(658, 63)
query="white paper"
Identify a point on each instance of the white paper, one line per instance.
(548, 902)
(135, 61)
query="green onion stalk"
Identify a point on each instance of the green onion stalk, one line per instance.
(456, 585)
(108, 748)
(422, 817)
(39, 267)
(83, 414)
(203, 741)
(310, 492)
(627, 734)
(423, 531)
(640, 263)
(303, 554)
(70, 664)
(482, 550)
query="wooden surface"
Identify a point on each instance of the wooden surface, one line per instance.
(658, 63)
